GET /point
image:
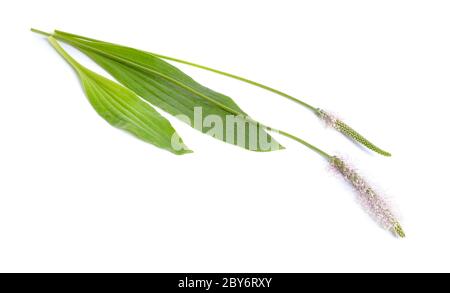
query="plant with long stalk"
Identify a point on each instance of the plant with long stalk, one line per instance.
(142, 73)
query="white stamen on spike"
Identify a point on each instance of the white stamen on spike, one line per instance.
(329, 119)
(374, 203)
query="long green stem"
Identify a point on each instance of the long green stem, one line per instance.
(305, 143)
(314, 109)
(224, 107)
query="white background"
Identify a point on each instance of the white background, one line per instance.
(77, 195)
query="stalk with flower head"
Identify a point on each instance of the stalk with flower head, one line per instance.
(373, 202)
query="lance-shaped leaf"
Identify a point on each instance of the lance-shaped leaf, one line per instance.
(168, 88)
(123, 109)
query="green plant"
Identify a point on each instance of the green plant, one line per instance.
(144, 75)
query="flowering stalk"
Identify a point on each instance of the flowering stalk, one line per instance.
(343, 128)
(338, 124)
(375, 204)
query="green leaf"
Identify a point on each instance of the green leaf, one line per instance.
(168, 88)
(123, 109)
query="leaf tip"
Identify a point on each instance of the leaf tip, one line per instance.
(183, 152)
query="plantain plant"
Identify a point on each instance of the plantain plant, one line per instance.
(146, 79)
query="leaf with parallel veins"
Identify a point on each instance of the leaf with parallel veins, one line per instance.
(123, 109)
(171, 90)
